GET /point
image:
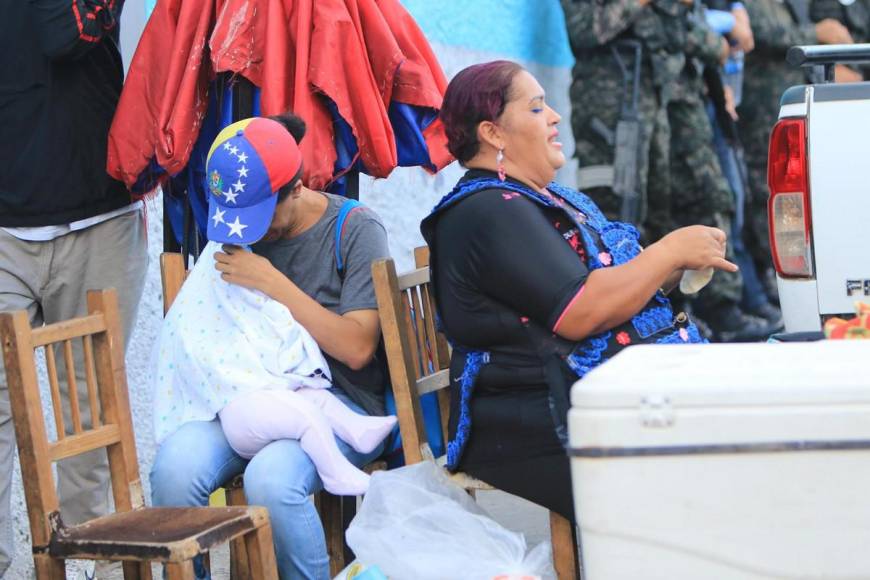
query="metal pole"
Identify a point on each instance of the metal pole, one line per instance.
(352, 189)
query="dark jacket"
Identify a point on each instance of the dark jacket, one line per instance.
(60, 80)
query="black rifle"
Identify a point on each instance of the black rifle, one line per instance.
(728, 126)
(626, 155)
(716, 92)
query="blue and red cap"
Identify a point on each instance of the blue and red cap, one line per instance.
(247, 164)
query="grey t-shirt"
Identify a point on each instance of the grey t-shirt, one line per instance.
(309, 261)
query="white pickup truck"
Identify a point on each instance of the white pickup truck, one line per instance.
(819, 181)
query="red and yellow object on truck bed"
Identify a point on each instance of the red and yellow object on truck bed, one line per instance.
(858, 327)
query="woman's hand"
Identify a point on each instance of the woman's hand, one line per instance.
(697, 247)
(247, 269)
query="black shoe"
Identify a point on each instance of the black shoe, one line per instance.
(731, 324)
(770, 313)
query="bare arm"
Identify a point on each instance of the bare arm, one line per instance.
(612, 296)
(672, 281)
(351, 338)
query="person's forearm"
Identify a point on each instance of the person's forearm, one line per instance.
(343, 338)
(672, 281)
(613, 295)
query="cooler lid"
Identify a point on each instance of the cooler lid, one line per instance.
(718, 375)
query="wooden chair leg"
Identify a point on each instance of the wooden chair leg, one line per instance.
(261, 553)
(137, 570)
(180, 570)
(330, 516)
(564, 548)
(239, 563)
(48, 568)
(349, 506)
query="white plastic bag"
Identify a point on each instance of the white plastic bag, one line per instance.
(415, 524)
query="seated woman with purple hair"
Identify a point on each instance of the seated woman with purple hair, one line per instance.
(535, 287)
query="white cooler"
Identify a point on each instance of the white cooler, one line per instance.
(731, 461)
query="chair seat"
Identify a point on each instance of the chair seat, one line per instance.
(464, 480)
(161, 534)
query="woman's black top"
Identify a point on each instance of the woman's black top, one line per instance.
(503, 259)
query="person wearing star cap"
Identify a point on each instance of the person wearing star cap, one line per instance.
(279, 237)
(247, 165)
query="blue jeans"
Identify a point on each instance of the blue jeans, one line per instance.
(196, 460)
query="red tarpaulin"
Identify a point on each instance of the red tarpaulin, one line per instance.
(362, 55)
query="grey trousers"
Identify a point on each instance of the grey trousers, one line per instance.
(50, 281)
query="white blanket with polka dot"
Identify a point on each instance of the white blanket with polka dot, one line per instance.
(220, 341)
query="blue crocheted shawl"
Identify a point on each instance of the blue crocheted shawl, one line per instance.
(607, 244)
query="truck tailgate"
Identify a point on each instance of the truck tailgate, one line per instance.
(839, 173)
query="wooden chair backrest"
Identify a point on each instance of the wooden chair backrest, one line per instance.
(106, 383)
(172, 275)
(418, 356)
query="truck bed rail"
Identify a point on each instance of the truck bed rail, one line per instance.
(825, 57)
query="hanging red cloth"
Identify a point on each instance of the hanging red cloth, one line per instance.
(420, 81)
(358, 55)
(164, 98)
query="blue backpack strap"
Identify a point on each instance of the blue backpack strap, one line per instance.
(343, 213)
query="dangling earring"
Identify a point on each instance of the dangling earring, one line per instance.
(499, 162)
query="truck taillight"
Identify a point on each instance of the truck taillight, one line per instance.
(788, 207)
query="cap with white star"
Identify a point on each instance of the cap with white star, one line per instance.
(248, 163)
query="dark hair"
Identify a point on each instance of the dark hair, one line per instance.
(478, 93)
(295, 125)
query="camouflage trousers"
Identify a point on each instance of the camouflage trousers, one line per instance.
(700, 194)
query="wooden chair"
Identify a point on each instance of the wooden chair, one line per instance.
(173, 273)
(334, 510)
(419, 361)
(134, 534)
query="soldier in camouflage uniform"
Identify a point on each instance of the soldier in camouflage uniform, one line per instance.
(700, 193)
(777, 26)
(597, 93)
(680, 177)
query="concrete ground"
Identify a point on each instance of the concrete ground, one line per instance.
(510, 511)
